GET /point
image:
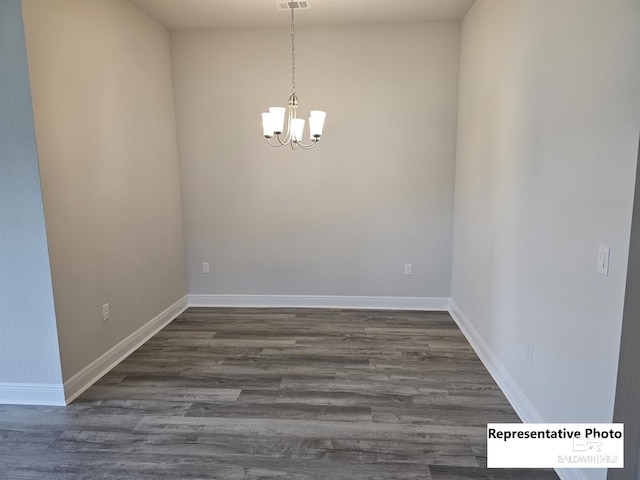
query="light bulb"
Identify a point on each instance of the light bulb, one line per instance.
(277, 114)
(316, 123)
(297, 127)
(267, 124)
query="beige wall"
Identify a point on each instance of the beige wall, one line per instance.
(342, 219)
(105, 129)
(547, 148)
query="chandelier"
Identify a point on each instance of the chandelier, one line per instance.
(273, 120)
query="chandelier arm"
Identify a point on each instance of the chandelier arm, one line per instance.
(280, 142)
(287, 138)
(291, 114)
(275, 144)
(308, 146)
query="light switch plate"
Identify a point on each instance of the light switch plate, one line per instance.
(603, 260)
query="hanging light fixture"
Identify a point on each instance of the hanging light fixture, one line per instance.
(273, 120)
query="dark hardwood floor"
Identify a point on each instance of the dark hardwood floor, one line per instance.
(275, 393)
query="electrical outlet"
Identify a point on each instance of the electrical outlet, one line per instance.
(106, 314)
(529, 351)
(408, 269)
(205, 267)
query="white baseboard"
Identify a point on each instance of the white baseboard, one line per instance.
(32, 394)
(516, 397)
(509, 387)
(99, 367)
(320, 301)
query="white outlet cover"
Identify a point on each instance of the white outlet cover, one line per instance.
(106, 314)
(408, 269)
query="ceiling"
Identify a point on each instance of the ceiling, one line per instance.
(185, 14)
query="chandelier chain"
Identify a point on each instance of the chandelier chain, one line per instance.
(293, 53)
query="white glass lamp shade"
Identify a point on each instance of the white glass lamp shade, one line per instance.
(316, 123)
(297, 127)
(267, 124)
(277, 114)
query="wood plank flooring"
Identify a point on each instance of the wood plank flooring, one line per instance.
(275, 393)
